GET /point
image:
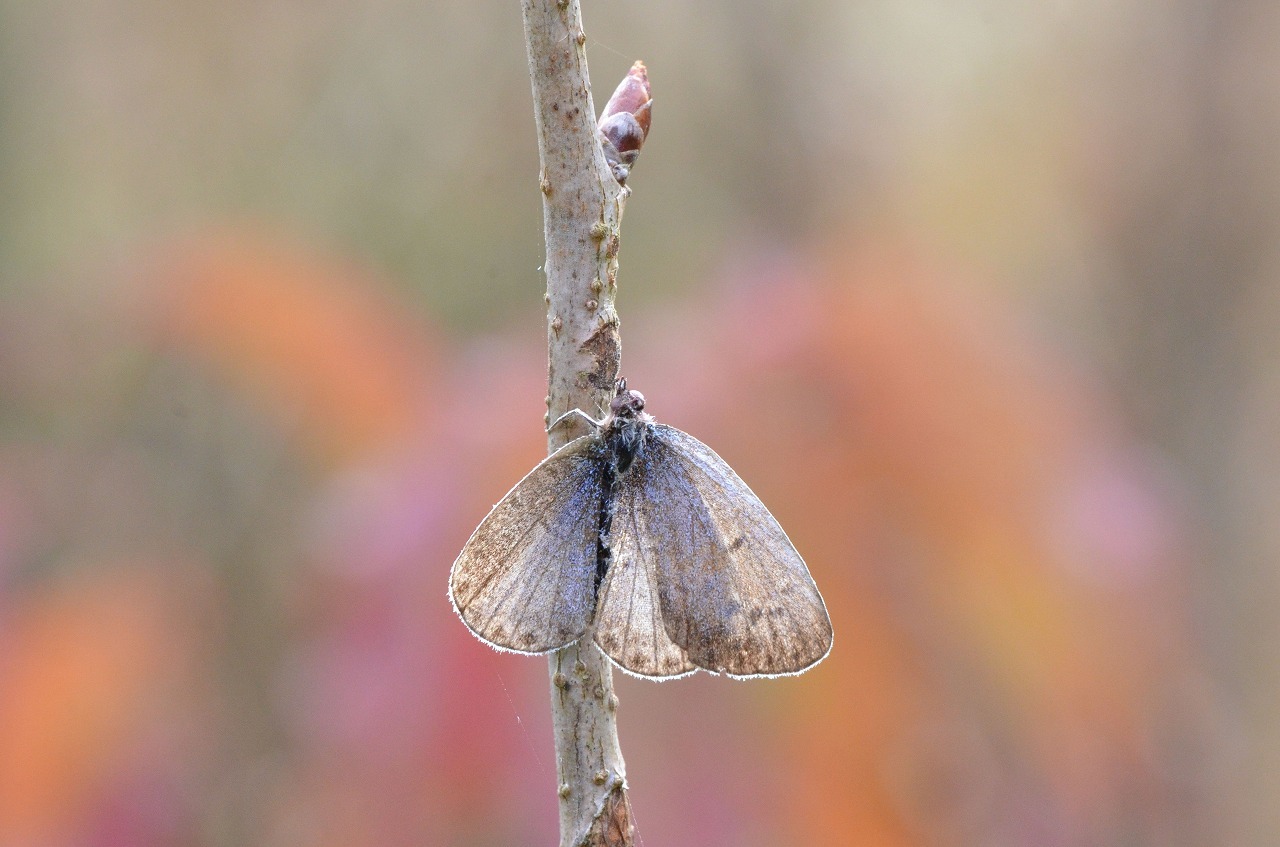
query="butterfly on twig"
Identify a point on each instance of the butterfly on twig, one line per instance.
(643, 536)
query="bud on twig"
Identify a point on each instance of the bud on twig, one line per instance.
(624, 124)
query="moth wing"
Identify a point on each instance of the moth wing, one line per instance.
(733, 591)
(629, 627)
(524, 579)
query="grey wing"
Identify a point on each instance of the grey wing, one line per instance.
(524, 579)
(733, 592)
(629, 627)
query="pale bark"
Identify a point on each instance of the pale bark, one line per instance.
(582, 207)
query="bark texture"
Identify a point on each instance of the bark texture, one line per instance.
(582, 207)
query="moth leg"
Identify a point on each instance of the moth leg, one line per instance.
(596, 423)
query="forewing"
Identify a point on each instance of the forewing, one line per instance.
(733, 592)
(524, 579)
(629, 627)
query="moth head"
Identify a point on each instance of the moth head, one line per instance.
(627, 404)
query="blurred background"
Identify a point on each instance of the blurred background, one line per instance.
(979, 297)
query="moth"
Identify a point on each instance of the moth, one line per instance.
(642, 536)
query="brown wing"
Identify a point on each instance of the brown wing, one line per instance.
(523, 581)
(629, 627)
(732, 592)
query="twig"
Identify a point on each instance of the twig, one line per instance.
(582, 207)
